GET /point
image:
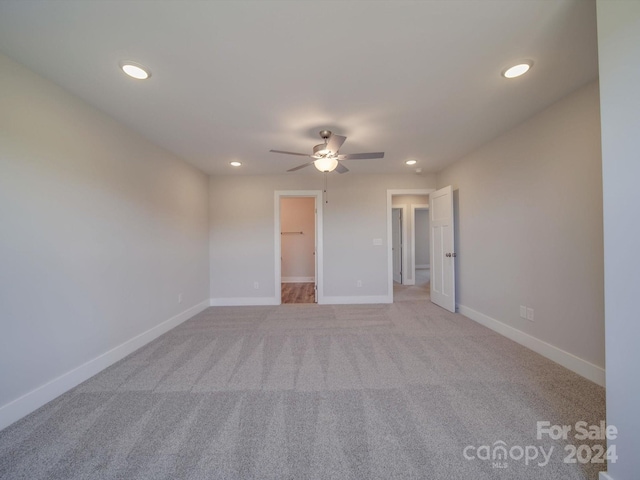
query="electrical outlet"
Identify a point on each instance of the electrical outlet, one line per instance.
(179, 298)
(530, 314)
(359, 283)
(523, 311)
(256, 285)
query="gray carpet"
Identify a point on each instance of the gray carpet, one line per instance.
(309, 392)
(419, 291)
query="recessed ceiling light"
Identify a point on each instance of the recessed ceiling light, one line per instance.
(517, 70)
(411, 162)
(235, 164)
(135, 70)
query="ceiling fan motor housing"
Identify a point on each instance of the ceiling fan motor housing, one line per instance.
(321, 150)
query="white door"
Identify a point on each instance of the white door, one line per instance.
(396, 243)
(443, 257)
(315, 252)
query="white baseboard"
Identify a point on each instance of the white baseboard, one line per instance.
(356, 300)
(297, 279)
(24, 405)
(244, 301)
(248, 301)
(576, 364)
(605, 476)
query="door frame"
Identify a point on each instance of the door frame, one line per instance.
(404, 251)
(390, 194)
(414, 209)
(319, 274)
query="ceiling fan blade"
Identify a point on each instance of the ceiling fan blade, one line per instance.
(290, 153)
(361, 156)
(299, 167)
(341, 168)
(335, 142)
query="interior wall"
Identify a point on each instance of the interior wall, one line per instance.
(242, 236)
(529, 227)
(409, 201)
(618, 43)
(422, 237)
(398, 250)
(101, 231)
(297, 214)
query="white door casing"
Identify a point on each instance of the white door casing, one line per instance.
(315, 251)
(416, 238)
(442, 255)
(390, 194)
(396, 241)
(319, 274)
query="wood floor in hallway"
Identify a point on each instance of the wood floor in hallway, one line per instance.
(298, 293)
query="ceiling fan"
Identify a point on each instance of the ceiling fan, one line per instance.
(325, 155)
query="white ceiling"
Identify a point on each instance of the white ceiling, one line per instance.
(233, 79)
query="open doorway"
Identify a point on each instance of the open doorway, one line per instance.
(410, 208)
(298, 250)
(421, 247)
(396, 243)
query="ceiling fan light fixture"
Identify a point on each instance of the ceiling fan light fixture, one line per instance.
(325, 155)
(235, 164)
(326, 164)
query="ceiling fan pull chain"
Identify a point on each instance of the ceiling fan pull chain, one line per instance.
(326, 196)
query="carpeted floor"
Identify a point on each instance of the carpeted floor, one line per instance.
(419, 291)
(310, 392)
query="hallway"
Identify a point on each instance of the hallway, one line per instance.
(419, 291)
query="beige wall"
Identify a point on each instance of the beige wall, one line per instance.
(242, 234)
(297, 214)
(101, 231)
(529, 227)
